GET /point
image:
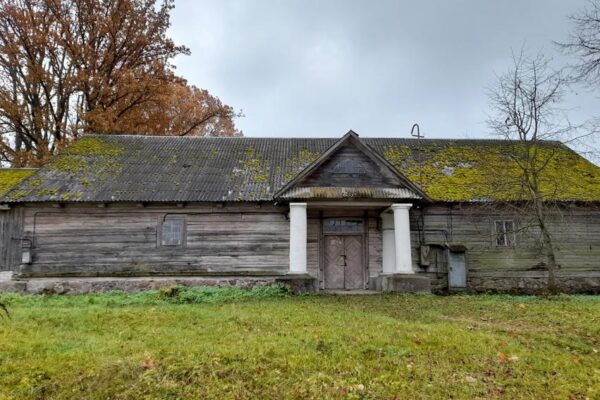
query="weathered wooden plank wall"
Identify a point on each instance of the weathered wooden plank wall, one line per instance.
(11, 224)
(576, 232)
(350, 167)
(374, 246)
(313, 244)
(88, 240)
(247, 239)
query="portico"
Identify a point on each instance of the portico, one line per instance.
(349, 218)
(396, 254)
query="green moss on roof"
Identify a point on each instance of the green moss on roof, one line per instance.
(89, 146)
(255, 167)
(17, 194)
(333, 193)
(71, 196)
(67, 163)
(467, 173)
(296, 163)
(46, 192)
(9, 178)
(88, 159)
(133, 168)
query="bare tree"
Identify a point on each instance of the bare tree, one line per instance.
(584, 44)
(525, 112)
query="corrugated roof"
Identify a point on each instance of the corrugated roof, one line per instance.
(107, 168)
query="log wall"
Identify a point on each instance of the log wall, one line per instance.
(124, 239)
(576, 233)
(247, 239)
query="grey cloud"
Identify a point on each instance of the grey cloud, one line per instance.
(319, 68)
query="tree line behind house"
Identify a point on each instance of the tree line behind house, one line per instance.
(75, 66)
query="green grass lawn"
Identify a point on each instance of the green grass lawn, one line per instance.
(267, 346)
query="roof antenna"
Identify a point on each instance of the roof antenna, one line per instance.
(418, 135)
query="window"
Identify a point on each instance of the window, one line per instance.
(172, 233)
(343, 226)
(505, 233)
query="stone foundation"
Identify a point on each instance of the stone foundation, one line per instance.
(94, 285)
(6, 276)
(298, 283)
(534, 284)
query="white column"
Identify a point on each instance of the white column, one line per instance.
(388, 243)
(402, 238)
(298, 238)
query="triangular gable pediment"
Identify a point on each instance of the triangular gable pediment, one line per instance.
(350, 168)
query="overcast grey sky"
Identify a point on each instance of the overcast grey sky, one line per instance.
(318, 68)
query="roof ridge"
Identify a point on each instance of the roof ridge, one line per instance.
(110, 135)
(334, 138)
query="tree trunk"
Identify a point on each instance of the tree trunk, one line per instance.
(548, 245)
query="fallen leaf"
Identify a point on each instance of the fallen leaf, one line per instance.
(470, 379)
(148, 363)
(502, 356)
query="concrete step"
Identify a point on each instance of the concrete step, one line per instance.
(403, 283)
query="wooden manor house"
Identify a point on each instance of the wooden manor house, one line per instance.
(129, 212)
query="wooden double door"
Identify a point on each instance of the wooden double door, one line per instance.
(344, 262)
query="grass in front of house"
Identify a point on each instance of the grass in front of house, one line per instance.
(219, 345)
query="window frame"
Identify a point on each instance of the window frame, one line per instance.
(358, 223)
(183, 232)
(509, 237)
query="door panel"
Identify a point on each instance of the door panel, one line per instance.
(354, 273)
(457, 271)
(344, 266)
(334, 262)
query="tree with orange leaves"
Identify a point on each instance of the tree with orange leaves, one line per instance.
(103, 66)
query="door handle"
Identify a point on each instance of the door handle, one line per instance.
(344, 258)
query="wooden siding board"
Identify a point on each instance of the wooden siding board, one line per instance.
(249, 239)
(232, 239)
(374, 247)
(329, 175)
(576, 233)
(313, 246)
(11, 228)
